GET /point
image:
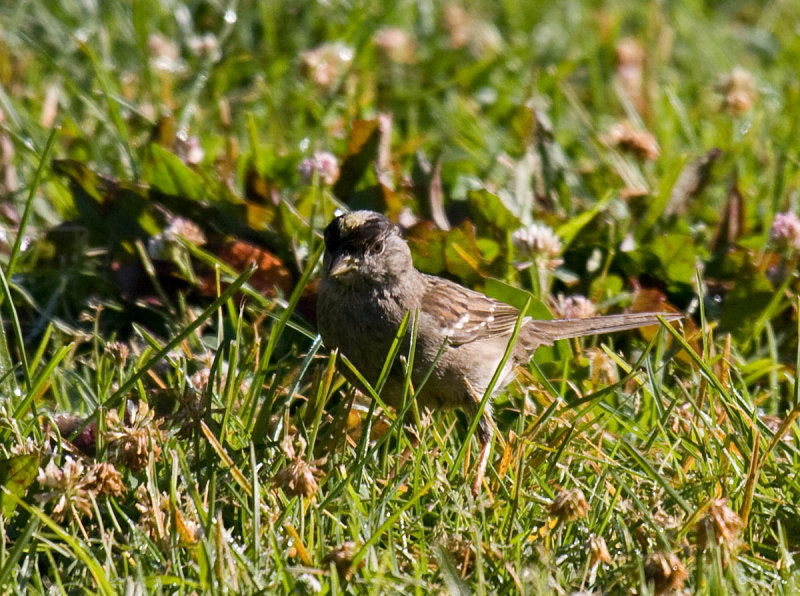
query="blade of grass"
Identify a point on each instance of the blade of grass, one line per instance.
(16, 328)
(115, 398)
(81, 552)
(26, 213)
(489, 390)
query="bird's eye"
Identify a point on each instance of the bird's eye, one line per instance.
(377, 247)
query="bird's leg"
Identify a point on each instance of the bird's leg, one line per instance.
(483, 460)
(485, 432)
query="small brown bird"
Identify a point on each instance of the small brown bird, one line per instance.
(369, 284)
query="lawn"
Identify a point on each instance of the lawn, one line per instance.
(170, 421)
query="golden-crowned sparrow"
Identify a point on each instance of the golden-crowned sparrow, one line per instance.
(369, 284)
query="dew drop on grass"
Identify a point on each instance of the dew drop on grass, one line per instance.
(230, 16)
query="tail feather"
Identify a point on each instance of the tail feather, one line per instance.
(551, 331)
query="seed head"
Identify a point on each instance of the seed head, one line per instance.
(665, 571)
(569, 505)
(720, 524)
(105, 479)
(640, 143)
(132, 443)
(299, 478)
(342, 558)
(598, 551)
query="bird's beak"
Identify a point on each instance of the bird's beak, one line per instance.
(341, 264)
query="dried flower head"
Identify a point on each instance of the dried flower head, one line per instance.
(324, 164)
(602, 366)
(69, 486)
(118, 352)
(105, 479)
(665, 571)
(342, 558)
(463, 553)
(134, 440)
(293, 444)
(537, 244)
(740, 92)
(162, 522)
(192, 410)
(153, 513)
(785, 231)
(640, 143)
(598, 551)
(720, 524)
(326, 63)
(396, 44)
(299, 478)
(569, 505)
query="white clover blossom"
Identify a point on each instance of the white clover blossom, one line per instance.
(68, 487)
(575, 307)
(537, 244)
(322, 162)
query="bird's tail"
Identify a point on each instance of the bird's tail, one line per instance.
(567, 328)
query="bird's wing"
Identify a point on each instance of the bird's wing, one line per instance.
(465, 315)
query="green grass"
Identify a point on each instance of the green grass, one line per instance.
(255, 467)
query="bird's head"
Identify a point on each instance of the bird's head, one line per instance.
(365, 246)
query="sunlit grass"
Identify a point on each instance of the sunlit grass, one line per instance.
(639, 462)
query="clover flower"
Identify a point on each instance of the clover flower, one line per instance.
(132, 441)
(324, 164)
(785, 231)
(70, 488)
(569, 505)
(720, 524)
(665, 571)
(537, 245)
